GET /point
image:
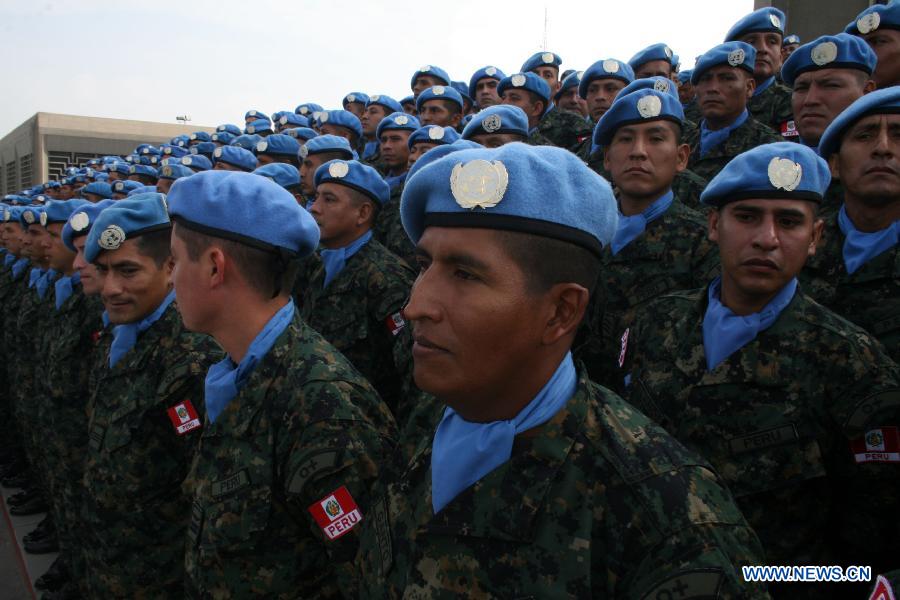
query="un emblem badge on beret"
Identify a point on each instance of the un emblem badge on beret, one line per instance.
(304, 151)
(132, 170)
(167, 171)
(251, 129)
(547, 57)
(194, 150)
(338, 169)
(401, 120)
(351, 98)
(785, 174)
(217, 152)
(492, 123)
(668, 51)
(425, 69)
(321, 116)
(776, 22)
(186, 161)
(824, 53)
(479, 183)
(6, 215)
(252, 113)
(736, 57)
(649, 107)
(611, 66)
(111, 238)
(283, 120)
(436, 132)
(79, 221)
(262, 146)
(868, 23)
(28, 216)
(490, 71)
(193, 136)
(304, 110)
(438, 90)
(43, 219)
(118, 186)
(661, 85)
(518, 80)
(154, 160)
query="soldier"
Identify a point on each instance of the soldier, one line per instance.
(419, 142)
(723, 80)
(260, 127)
(660, 244)
(355, 102)
(355, 297)
(546, 124)
(294, 435)
(497, 125)
(601, 82)
(287, 121)
(546, 66)
(317, 152)
(393, 134)
(169, 174)
(788, 45)
(879, 25)
(409, 105)
(143, 174)
(378, 107)
(96, 191)
(278, 148)
(234, 158)
(504, 283)
(427, 76)
(146, 410)
(771, 102)
(198, 162)
(854, 273)
(286, 176)
(463, 88)
(567, 97)
(774, 389)
(483, 85)
(255, 115)
(655, 60)
(440, 105)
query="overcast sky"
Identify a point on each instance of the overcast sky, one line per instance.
(215, 59)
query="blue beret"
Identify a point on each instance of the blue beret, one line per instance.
(200, 136)
(239, 157)
(30, 215)
(660, 84)
(197, 162)
(488, 72)
(180, 140)
(527, 81)
(342, 118)
(685, 76)
(204, 148)
(293, 119)
(101, 177)
(572, 80)
(54, 185)
(439, 92)
(147, 150)
(143, 170)
(278, 145)
(353, 174)
(463, 88)
(355, 97)
(125, 220)
(763, 20)
(59, 211)
(173, 172)
(308, 108)
(500, 118)
(176, 151)
(608, 68)
(541, 59)
(398, 120)
(408, 100)
(79, 222)
(256, 115)
(123, 187)
(258, 126)
(276, 116)
(790, 39)
(466, 120)
(228, 128)
(247, 141)
(783, 170)
(285, 175)
(139, 150)
(223, 137)
(879, 102)
(431, 71)
(10, 213)
(143, 159)
(508, 188)
(735, 54)
(328, 143)
(640, 106)
(877, 16)
(841, 51)
(98, 188)
(387, 102)
(654, 52)
(245, 208)
(432, 134)
(301, 133)
(144, 189)
(123, 168)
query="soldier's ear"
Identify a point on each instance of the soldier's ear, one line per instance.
(833, 164)
(751, 86)
(712, 218)
(568, 303)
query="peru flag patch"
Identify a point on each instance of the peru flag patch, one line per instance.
(336, 513)
(877, 445)
(184, 417)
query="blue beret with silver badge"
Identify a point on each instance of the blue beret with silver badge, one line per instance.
(278, 144)
(200, 136)
(651, 53)
(387, 102)
(173, 172)
(258, 126)
(293, 120)
(431, 71)
(176, 151)
(126, 220)
(124, 186)
(879, 102)
(641, 106)
(660, 84)
(398, 121)
(488, 72)
(841, 51)
(877, 16)
(572, 80)
(790, 39)
(236, 156)
(285, 175)
(733, 54)
(355, 175)
(204, 148)
(143, 170)
(608, 68)
(228, 128)
(98, 188)
(439, 92)
(223, 137)
(197, 162)
(308, 108)
(355, 97)
(80, 221)
(500, 118)
(247, 141)
(763, 20)
(59, 211)
(341, 118)
(328, 143)
(301, 133)
(256, 115)
(541, 59)
(432, 134)
(526, 81)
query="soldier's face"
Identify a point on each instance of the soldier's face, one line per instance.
(341, 215)
(91, 281)
(12, 238)
(416, 151)
(343, 132)
(34, 243)
(495, 140)
(436, 112)
(58, 256)
(357, 108)
(191, 279)
(820, 96)
(572, 102)
(162, 186)
(409, 108)
(265, 159)
(423, 82)
(600, 95)
(685, 92)
(486, 92)
(551, 76)
(307, 171)
(372, 116)
(886, 44)
(394, 151)
(723, 92)
(65, 192)
(644, 158)
(133, 284)
(653, 68)
(526, 101)
(787, 50)
(768, 53)
(868, 163)
(763, 244)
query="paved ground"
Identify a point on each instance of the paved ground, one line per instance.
(18, 569)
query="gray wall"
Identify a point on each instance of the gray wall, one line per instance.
(811, 18)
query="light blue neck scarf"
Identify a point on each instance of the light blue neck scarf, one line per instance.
(370, 149)
(395, 181)
(44, 281)
(225, 379)
(19, 267)
(35, 274)
(631, 227)
(125, 335)
(335, 260)
(724, 332)
(463, 452)
(8, 260)
(65, 287)
(710, 140)
(861, 247)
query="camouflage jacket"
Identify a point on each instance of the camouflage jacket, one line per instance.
(560, 128)
(672, 254)
(137, 460)
(773, 108)
(598, 502)
(359, 314)
(692, 111)
(777, 420)
(388, 229)
(304, 426)
(748, 135)
(870, 297)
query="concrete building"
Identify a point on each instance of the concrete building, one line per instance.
(42, 147)
(811, 18)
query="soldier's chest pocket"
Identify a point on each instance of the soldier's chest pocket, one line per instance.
(348, 326)
(124, 423)
(232, 522)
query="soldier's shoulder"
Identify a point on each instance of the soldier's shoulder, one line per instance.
(756, 131)
(831, 328)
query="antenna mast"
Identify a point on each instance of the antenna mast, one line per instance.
(546, 28)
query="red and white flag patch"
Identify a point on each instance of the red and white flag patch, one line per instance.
(184, 417)
(395, 323)
(883, 590)
(877, 445)
(336, 513)
(789, 129)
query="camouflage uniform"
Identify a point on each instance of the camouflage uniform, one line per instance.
(673, 253)
(304, 425)
(750, 134)
(135, 513)
(692, 111)
(598, 502)
(870, 297)
(359, 313)
(773, 108)
(560, 128)
(388, 229)
(776, 420)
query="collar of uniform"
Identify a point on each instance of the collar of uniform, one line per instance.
(514, 506)
(651, 244)
(343, 281)
(148, 343)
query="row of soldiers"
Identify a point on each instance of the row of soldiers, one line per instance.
(340, 355)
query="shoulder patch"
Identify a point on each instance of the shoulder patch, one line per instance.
(881, 444)
(697, 584)
(184, 417)
(317, 464)
(336, 513)
(395, 323)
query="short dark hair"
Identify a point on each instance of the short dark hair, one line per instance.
(326, 156)
(453, 107)
(155, 244)
(264, 271)
(547, 261)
